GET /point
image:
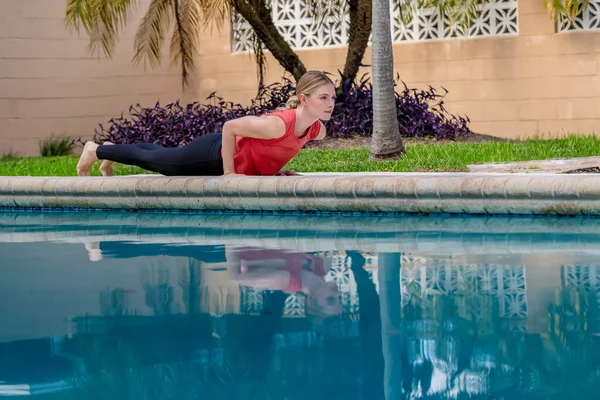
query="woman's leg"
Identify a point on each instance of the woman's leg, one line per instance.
(106, 168)
(202, 156)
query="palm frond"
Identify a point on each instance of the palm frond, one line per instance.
(102, 20)
(464, 12)
(150, 35)
(324, 10)
(459, 12)
(215, 12)
(78, 13)
(185, 35)
(565, 8)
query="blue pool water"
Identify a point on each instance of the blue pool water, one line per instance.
(162, 306)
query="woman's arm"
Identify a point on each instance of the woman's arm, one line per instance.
(233, 261)
(262, 274)
(267, 127)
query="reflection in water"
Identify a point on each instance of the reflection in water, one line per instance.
(148, 319)
(288, 272)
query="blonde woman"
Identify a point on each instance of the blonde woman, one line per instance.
(251, 145)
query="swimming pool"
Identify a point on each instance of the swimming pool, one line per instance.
(95, 305)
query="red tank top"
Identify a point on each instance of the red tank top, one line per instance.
(296, 262)
(268, 156)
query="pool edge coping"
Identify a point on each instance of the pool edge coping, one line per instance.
(443, 192)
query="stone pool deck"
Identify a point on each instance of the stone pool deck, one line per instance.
(454, 193)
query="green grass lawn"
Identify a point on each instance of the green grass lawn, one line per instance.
(423, 157)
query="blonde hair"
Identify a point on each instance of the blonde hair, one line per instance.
(307, 84)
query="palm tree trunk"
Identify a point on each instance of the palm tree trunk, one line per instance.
(386, 142)
(259, 17)
(390, 300)
(360, 12)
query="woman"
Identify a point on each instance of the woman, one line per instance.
(287, 271)
(251, 145)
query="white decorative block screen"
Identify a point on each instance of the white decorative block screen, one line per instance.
(586, 277)
(422, 279)
(587, 20)
(294, 21)
(426, 278)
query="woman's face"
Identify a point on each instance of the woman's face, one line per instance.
(327, 301)
(320, 103)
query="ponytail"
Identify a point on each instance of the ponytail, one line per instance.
(293, 102)
(307, 84)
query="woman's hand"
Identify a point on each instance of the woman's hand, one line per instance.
(287, 172)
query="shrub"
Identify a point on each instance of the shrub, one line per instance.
(9, 156)
(56, 146)
(421, 113)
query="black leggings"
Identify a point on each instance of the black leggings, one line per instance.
(200, 157)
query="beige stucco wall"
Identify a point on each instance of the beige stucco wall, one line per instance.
(536, 82)
(49, 84)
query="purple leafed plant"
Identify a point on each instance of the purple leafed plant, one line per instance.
(421, 113)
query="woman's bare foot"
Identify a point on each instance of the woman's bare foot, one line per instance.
(106, 168)
(94, 252)
(87, 159)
